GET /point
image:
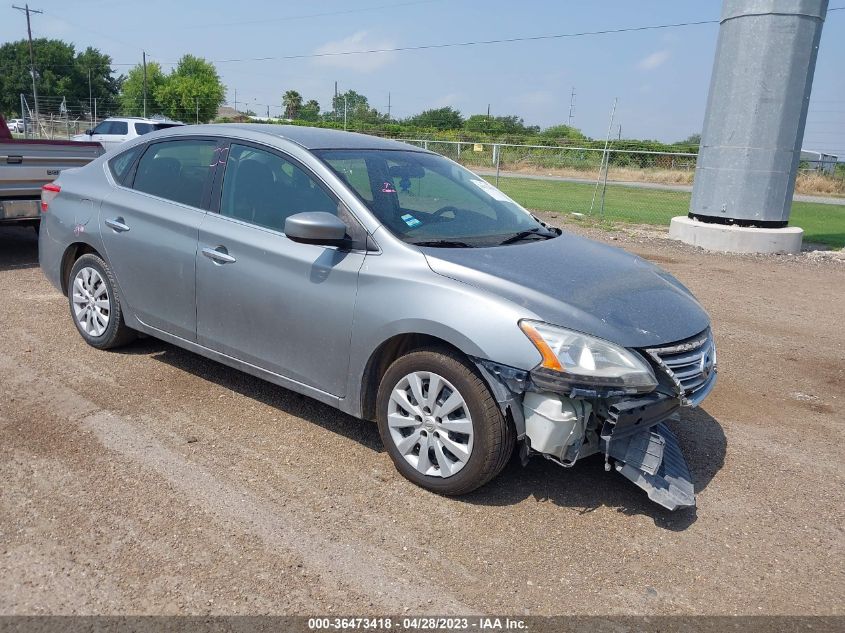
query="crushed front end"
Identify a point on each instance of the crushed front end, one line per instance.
(568, 408)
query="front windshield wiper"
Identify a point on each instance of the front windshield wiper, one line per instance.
(442, 244)
(523, 234)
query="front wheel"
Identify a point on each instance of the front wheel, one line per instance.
(440, 424)
(94, 304)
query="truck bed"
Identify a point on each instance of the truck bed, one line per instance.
(28, 164)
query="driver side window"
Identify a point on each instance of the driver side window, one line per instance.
(263, 188)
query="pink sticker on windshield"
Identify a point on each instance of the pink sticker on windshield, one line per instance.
(388, 187)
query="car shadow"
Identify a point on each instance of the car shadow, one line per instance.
(585, 487)
(285, 400)
(18, 248)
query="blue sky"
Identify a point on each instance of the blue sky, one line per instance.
(660, 77)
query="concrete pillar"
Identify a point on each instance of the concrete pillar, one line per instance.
(756, 111)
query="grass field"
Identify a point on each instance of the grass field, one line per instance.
(822, 223)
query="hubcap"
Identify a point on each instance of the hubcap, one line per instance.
(430, 424)
(91, 304)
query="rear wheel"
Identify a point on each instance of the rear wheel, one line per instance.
(440, 424)
(94, 304)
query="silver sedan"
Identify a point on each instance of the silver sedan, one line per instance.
(391, 283)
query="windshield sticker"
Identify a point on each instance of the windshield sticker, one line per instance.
(388, 187)
(410, 220)
(490, 190)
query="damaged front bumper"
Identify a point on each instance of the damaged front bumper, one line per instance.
(567, 424)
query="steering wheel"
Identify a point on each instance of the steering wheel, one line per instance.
(443, 210)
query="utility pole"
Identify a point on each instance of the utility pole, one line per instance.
(344, 111)
(388, 106)
(334, 101)
(144, 55)
(236, 101)
(90, 95)
(27, 10)
(198, 109)
(571, 106)
(619, 136)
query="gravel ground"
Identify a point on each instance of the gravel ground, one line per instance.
(152, 481)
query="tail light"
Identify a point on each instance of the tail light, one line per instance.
(48, 194)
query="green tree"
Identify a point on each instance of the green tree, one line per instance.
(61, 73)
(692, 139)
(310, 111)
(352, 101)
(440, 118)
(192, 91)
(292, 104)
(562, 132)
(132, 90)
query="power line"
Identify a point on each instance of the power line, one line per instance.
(509, 40)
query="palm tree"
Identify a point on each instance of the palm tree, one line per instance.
(292, 103)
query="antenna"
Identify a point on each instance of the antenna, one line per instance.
(571, 106)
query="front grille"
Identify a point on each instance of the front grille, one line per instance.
(690, 364)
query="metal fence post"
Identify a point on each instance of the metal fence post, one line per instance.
(497, 152)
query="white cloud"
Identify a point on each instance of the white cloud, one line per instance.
(447, 100)
(364, 62)
(654, 60)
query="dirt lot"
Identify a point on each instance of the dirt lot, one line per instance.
(151, 480)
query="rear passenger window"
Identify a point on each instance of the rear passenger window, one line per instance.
(143, 128)
(264, 189)
(122, 163)
(176, 170)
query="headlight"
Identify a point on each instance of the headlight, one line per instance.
(580, 359)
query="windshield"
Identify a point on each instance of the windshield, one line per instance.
(428, 200)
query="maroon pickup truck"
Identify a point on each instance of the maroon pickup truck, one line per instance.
(28, 164)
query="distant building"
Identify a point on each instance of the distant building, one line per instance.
(818, 161)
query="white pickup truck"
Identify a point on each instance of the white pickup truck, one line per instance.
(28, 164)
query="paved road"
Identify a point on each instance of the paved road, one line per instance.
(638, 185)
(149, 480)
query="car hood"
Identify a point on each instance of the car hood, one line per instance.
(583, 285)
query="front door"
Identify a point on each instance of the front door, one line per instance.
(150, 232)
(276, 304)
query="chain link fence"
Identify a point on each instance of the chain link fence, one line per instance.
(635, 186)
(614, 184)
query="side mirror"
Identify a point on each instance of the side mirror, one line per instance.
(89, 131)
(316, 227)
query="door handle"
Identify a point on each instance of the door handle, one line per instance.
(117, 224)
(217, 255)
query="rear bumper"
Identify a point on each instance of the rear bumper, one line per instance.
(20, 210)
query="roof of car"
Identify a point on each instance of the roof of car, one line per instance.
(310, 137)
(143, 120)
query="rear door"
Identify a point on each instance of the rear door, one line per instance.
(149, 227)
(262, 298)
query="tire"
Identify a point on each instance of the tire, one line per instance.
(489, 445)
(105, 329)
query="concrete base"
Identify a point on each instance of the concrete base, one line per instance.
(735, 239)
